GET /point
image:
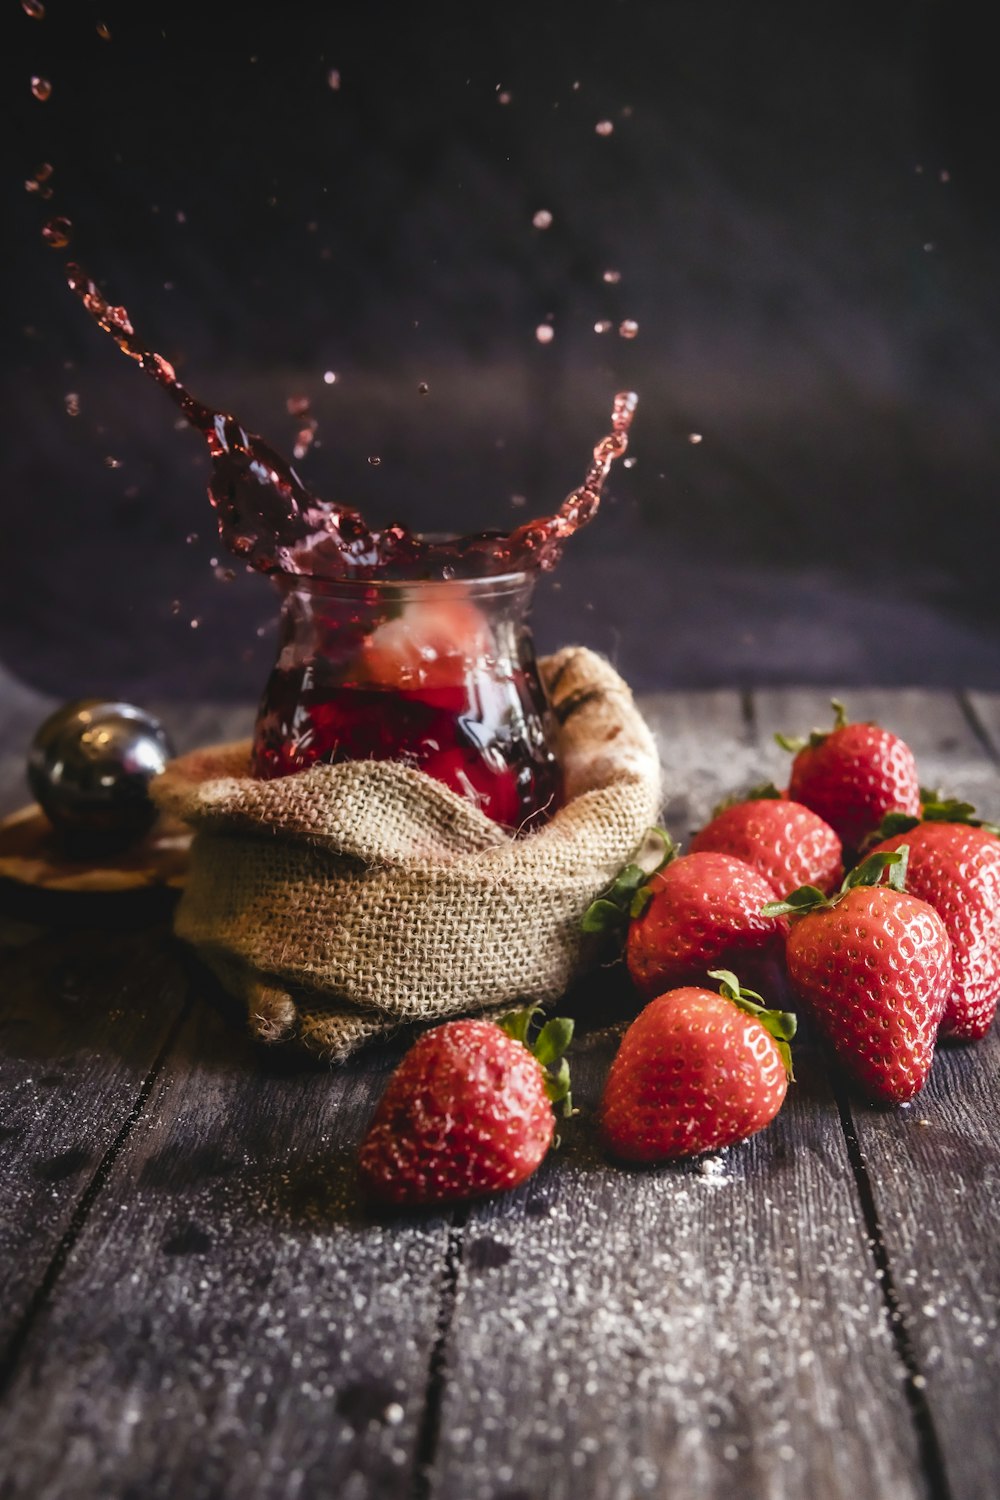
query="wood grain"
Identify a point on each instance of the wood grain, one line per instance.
(710, 1329)
(933, 1168)
(83, 1019)
(714, 1329)
(200, 1307)
(229, 1322)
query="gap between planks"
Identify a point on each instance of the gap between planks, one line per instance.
(10, 1356)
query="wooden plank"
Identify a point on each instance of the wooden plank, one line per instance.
(933, 1168)
(984, 714)
(708, 1330)
(83, 1019)
(686, 726)
(228, 1323)
(932, 723)
(711, 1329)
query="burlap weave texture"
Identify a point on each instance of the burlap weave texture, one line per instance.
(347, 900)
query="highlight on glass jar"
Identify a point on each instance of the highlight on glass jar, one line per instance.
(437, 673)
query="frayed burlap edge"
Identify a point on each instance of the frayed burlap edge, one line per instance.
(348, 901)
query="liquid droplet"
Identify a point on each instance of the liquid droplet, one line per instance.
(542, 219)
(447, 572)
(191, 538)
(33, 8)
(612, 277)
(628, 329)
(72, 402)
(423, 388)
(545, 333)
(44, 172)
(329, 377)
(112, 463)
(694, 437)
(195, 623)
(104, 31)
(41, 88)
(175, 606)
(604, 127)
(57, 232)
(503, 97)
(628, 463)
(297, 406)
(603, 325)
(374, 460)
(333, 79)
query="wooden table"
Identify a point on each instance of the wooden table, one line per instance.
(195, 1305)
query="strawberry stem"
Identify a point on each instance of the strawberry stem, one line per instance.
(795, 743)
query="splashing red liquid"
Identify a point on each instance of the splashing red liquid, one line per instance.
(268, 518)
(447, 684)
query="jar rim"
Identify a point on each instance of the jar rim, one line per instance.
(480, 585)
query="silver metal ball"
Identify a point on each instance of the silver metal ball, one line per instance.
(90, 766)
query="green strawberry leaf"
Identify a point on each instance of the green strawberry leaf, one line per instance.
(602, 916)
(547, 1048)
(640, 901)
(797, 902)
(629, 893)
(558, 1087)
(553, 1040)
(781, 1025)
(517, 1023)
(893, 823)
(871, 870)
(935, 807)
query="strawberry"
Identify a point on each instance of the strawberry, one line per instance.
(467, 1112)
(431, 644)
(698, 913)
(696, 1070)
(789, 844)
(954, 865)
(873, 966)
(852, 776)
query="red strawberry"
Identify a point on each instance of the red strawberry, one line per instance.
(853, 776)
(704, 913)
(696, 1071)
(467, 1112)
(431, 644)
(789, 844)
(955, 866)
(873, 965)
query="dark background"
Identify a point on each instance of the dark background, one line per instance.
(802, 205)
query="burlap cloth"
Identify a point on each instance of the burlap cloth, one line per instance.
(345, 901)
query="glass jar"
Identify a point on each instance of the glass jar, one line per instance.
(439, 674)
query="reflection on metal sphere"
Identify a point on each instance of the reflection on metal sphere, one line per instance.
(90, 766)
